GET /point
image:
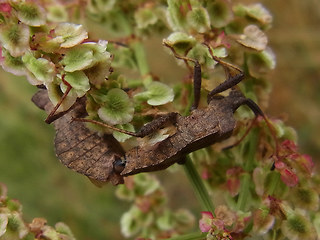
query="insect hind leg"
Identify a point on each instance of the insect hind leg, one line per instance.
(257, 112)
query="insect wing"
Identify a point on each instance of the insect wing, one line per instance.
(80, 149)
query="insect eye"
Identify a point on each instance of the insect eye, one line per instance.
(119, 165)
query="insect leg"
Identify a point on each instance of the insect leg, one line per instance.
(52, 116)
(169, 118)
(144, 131)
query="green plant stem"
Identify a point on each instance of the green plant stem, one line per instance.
(274, 182)
(190, 236)
(274, 234)
(123, 22)
(141, 59)
(244, 193)
(198, 185)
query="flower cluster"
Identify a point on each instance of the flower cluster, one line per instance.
(275, 187)
(149, 216)
(292, 164)
(12, 225)
(224, 224)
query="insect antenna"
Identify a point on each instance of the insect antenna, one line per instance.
(196, 75)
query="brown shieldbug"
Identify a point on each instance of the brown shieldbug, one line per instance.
(200, 129)
(103, 159)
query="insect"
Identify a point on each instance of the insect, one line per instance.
(103, 159)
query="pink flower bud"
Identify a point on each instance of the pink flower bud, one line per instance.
(289, 177)
(289, 145)
(5, 7)
(279, 165)
(205, 223)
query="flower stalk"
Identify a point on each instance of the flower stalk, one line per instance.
(198, 185)
(190, 236)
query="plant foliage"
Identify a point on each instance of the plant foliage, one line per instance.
(44, 41)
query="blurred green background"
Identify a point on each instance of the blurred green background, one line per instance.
(48, 189)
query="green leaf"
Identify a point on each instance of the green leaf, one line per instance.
(12, 64)
(64, 229)
(31, 14)
(175, 16)
(130, 222)
(70, 34)
(220, 13)
(165, 222)
(55, 93)
(57, 13)
(157, 94)
(123, 57)
(15, 38)
(180, 42)
(41, 68)
(201, 53)
(14, 205)
(50, 233)
(78, 80)
(122, 137)
(256, 11)
(77, 58)
(123, 193)
(261, 62)
(99, 95)
(254, 38)
(199, 19)
(298, 227)
(145, 184)
(98, 73)
(184, 219)
(16, 225)
(117, 109)
(99, 50)
(305, 198)
(145, 17)
(177, 13)
(99, 6)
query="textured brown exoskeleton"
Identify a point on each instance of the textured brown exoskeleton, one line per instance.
(103, 159)
(202, 128)
(80, 149)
